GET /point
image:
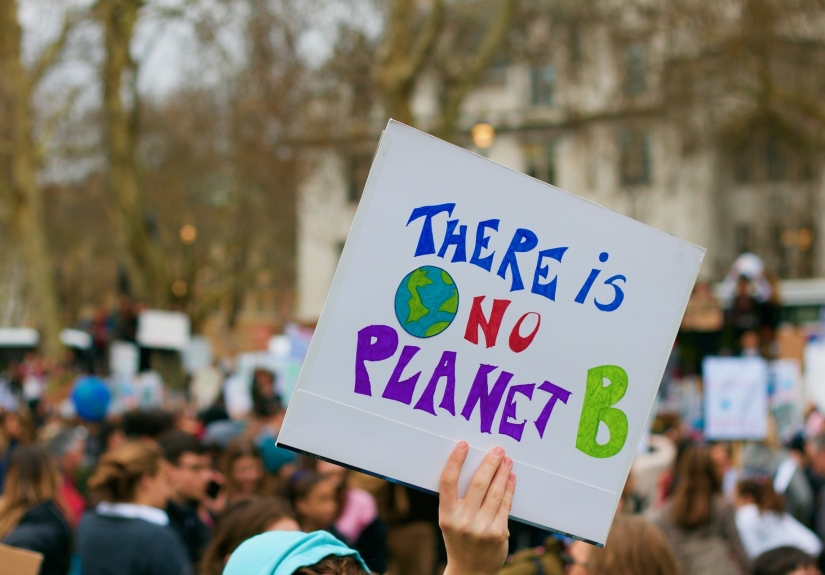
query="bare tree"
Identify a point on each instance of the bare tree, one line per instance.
(140, 243)
(25, 193)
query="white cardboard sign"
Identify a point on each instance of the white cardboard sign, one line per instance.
(736, 397)
(475, 303)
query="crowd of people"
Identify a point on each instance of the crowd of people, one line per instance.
(175, 492)
(193, 489)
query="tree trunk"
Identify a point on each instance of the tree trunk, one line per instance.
(28, 219)
(479, 62)
(147, 263)
(404, 54)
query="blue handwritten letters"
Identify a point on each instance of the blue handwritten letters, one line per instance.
(523, 241)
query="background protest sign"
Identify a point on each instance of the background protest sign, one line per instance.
(475, 303)
(736, 397)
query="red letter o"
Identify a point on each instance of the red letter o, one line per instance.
(518, 343)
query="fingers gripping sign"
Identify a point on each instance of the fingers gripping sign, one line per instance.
(475, 527)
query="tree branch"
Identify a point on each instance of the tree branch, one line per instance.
(49, 56)
(424, 42)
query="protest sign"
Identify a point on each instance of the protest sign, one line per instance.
(475, 303)
(815, 373)
(785, 395)
(163, 329)
(736, 397)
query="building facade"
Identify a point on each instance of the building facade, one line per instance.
(593, 117)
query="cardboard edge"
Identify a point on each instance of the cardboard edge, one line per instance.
(381, 152)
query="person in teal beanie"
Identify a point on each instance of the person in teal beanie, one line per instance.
(474, 527)
(284, 552)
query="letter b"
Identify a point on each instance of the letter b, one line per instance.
(597, 407)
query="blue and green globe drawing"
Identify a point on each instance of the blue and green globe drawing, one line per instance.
(426, 301)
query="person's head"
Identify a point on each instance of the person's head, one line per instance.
(147, 423)
(190, 469)
(242, 520)
(132, 473)
(759, 491)
(243, 469)
(634, 545)
(69, 446)
(291, 553)
(111, 435)
(720, 453)
(32, 477)
(265, 402)
(785, 561)
(816, 451)
(749, 342)
(335, 472)
(314, 498)
(698, 485)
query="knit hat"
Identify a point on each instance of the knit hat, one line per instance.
(284, 552)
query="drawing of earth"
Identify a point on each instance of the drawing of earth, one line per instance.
(426, 301)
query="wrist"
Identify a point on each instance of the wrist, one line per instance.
(452, 569)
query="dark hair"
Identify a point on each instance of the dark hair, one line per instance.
(334, 565)
(242, 520)
(781, 561)
(301, 484)
(698, 484)
(119, 472)
(32, 477)
(240, 447)
(147, 423)
(634, 545)
(761, 491)
(175, 443)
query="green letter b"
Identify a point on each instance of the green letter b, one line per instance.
(598, 400)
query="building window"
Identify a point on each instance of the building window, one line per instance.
(743, 238)
(775, 160)
(497, 72)
(574, 48)
(635, 65)
(358, 168)
(541, 162)
(634, 157)
(742, 165)
(542, 83)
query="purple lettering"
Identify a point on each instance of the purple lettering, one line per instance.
(489, 400)
(506, 427)
(396, 389)
(375, 343)
(556, 393)
(445, 368)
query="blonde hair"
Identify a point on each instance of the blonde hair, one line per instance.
(33, 477)
(119, 472)
(634, 546)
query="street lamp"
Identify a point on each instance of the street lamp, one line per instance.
(188, 233)
(483, 135)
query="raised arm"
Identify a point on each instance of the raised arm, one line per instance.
(475, 527)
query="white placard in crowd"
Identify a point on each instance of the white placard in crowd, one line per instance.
(736, 397)
(124, 358)
(785, 386)
(815, 373)
(163, 329)
(475, 303)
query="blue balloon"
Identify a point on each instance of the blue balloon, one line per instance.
(91, 398)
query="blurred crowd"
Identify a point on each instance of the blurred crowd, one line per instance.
(177, 491)
(177, 486)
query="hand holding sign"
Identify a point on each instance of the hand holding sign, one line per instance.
(475, 527)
